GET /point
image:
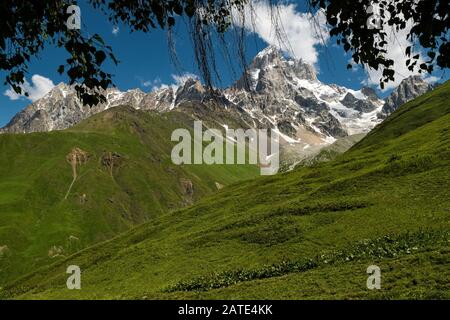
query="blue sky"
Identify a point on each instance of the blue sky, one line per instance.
(145, 62)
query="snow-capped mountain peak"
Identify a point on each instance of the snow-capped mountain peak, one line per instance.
(275, 92)
(271, 66)
(268, 58)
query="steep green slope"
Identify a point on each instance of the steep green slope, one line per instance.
(310, 233)
(124, 176)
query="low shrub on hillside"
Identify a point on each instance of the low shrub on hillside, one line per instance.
(383, 247)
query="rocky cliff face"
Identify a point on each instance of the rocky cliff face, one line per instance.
(275, 92)
(409, 89)
(61, 109)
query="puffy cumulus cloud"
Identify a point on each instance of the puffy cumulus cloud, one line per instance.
(304, 32)
(38, 88)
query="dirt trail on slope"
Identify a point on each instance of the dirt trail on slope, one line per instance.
(75, 158)
(111, 160)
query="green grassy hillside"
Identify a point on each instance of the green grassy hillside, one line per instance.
(126, 177)
(310, 233)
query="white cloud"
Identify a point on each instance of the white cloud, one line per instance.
(115, 30)
(12, 94)
(181, 79)
(397, 42)
(396, 46)
(150, 83)
(40, 87)
(431, 79)
(178, 80)
(160, 87)
(304, 32)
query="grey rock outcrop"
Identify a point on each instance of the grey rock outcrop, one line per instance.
(409, 89)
